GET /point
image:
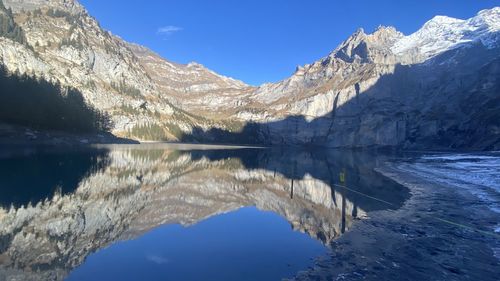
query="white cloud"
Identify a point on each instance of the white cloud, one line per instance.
(157, 259)
(169, 30)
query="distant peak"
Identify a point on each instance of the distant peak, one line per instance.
(443, 20)
(195, 65)
(28, 5)
(487, 16)
(385, 34)
(443, 33)
(383, 28)
(489, 12)
(360, 31)
(356, 37)
(490, 17)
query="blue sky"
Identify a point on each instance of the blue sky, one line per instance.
(261, 41)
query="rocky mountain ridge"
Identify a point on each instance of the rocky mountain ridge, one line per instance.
(443, 33)
(384, 89)
(67, 45)
(346, 99)
(193, 87)
(367, 57)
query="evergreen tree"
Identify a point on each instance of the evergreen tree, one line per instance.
(37, 103)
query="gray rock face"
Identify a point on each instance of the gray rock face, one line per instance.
(30, 5)
(407, 106)
(193, 87)
(428, 89)
(66, 45)
(387, 89)
(379, 89)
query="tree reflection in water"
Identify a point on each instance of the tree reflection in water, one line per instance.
(121, 192)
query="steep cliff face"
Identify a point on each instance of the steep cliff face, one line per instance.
(363, 58)
(428, 89)
(381, 89)
(439, 103)
(64, 44)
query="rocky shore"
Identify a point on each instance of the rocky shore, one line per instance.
(441, 233)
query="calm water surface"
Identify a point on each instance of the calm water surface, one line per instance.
(158, 212)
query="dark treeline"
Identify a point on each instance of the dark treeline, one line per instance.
(33, 177)
(39, 104)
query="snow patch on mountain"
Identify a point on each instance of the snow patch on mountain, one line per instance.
(443, 33)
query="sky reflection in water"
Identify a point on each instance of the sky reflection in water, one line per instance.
(156, 213)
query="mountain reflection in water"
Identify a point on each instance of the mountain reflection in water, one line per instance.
(61, 206)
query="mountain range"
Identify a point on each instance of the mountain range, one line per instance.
(436, 88)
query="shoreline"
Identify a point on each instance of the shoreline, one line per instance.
(12, 135)
(201, 146)
(440, 233)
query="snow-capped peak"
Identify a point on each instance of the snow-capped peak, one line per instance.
(442, 20)
(445, 33)
(489, 17)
